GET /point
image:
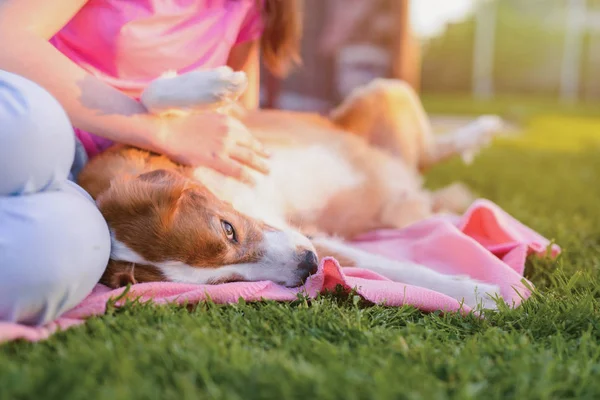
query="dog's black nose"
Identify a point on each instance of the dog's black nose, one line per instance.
(309, 263)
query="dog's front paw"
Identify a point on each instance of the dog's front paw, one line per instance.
(475, 294)
(220, 84)
(192, 91)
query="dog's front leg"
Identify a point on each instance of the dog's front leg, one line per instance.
(461, 288)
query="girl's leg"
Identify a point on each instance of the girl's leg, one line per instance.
(54, 247)
(36, 137)
(54, 243)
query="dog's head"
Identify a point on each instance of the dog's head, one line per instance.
(166, 227)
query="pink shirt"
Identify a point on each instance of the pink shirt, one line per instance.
(128, 43)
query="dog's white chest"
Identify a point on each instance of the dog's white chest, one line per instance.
(308, 177)
(302, 180)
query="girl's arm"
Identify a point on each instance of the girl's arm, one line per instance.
(25, 28)
(246, 57)
(222, 144)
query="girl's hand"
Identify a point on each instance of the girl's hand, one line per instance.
(213, 140)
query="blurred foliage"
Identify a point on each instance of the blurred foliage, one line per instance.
(529, 48)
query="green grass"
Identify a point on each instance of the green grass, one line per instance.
(335, 348)
(514, 108)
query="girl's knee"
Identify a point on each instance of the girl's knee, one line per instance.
(38, 142)
(54, 247)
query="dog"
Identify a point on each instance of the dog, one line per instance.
(332, 179)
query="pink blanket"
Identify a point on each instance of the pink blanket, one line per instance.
(486, 243)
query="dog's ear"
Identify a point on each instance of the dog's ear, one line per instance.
(122, 273)
(159, 176)
(130, 197)
(119, 274)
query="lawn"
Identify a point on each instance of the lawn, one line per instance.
(335, 348)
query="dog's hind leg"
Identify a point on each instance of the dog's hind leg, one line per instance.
(389, 114)
(466, 141)
(403, 210)
(455, 198)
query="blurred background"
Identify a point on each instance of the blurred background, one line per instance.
(511, 57)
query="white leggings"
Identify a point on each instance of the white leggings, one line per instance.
(54, 243)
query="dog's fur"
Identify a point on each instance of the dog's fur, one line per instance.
(333, 178)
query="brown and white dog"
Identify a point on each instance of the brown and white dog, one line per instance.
(333, 178)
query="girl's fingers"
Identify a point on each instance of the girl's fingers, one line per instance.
(255, 146)
(250, 158)
(234, 169)
(245, 138)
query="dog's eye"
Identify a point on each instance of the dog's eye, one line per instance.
(229, 231)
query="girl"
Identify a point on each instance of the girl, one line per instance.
(95, 57)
